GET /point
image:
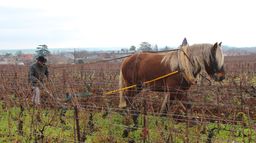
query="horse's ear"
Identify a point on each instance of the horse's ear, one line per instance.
(184, 42)
(220, 43)
(214, 47)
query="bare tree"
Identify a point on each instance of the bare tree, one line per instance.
(145, 46)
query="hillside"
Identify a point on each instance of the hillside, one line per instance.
(233, 51)
(228, 50)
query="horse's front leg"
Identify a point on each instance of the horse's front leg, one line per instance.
(182, 113)
(188, 108)
(165, 105)
(186, 102)
(132, 105)
(135, 116)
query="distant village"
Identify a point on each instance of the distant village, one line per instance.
(64, 56)
(76, 57)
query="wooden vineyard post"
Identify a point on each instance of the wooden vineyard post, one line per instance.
(145, 131)
(77, 124)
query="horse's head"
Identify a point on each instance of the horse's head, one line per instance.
(215, 66)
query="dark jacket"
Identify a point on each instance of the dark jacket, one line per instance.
(37, 73)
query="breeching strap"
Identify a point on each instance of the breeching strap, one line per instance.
(146, 82)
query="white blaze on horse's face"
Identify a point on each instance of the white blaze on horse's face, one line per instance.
(219, 56)
(219, 73)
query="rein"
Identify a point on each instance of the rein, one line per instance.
(100, 61)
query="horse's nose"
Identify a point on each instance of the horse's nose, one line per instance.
(222, 78)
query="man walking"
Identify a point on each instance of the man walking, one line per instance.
(38, 72)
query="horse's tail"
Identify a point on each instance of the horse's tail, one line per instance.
(122, 101)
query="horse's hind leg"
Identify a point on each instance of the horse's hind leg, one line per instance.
(182, 113)
(133, 107)
(135, 116)
(133, 111)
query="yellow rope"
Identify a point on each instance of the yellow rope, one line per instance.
(120, 89)
(146, 82)
(161, 77)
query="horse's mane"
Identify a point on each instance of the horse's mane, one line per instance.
(203, 51)
(190, 59)
(170, 59)
(186, 64)
(178, 60)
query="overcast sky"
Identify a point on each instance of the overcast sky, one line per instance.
(123, 23)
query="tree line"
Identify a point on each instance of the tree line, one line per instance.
(144, 46)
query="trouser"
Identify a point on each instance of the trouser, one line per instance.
(36, 95)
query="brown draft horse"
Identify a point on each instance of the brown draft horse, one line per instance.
(188, 60)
